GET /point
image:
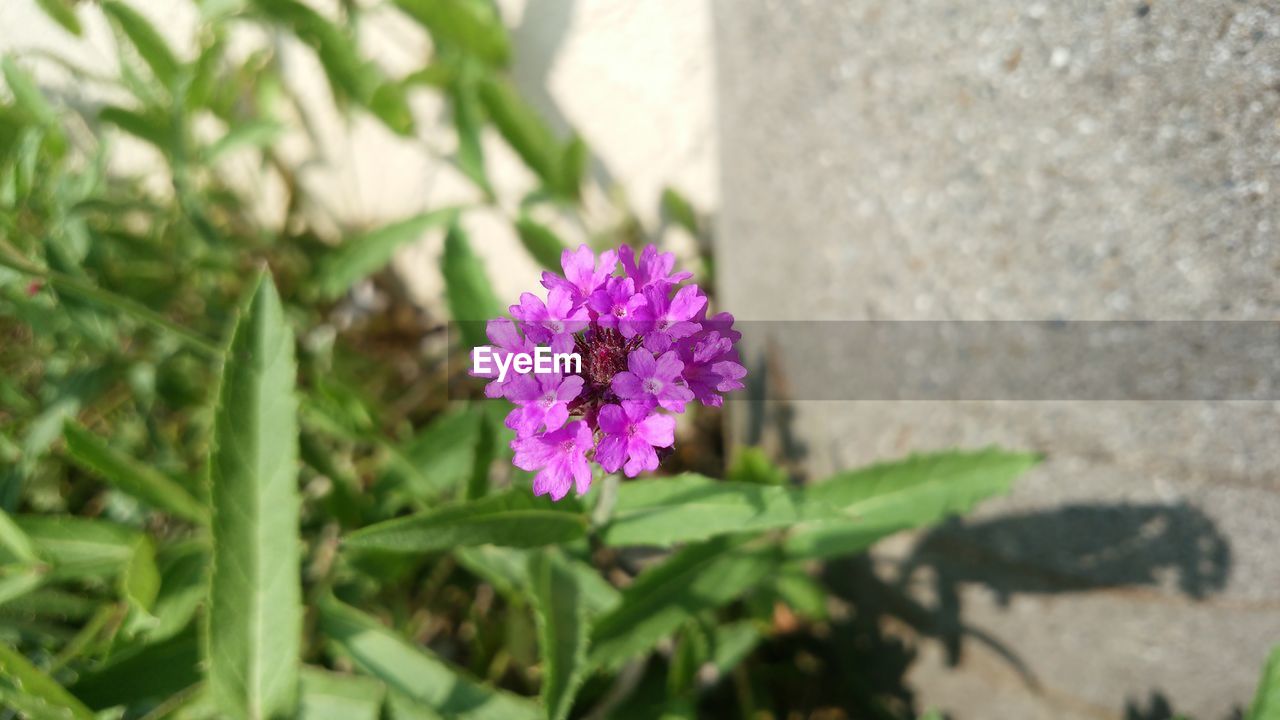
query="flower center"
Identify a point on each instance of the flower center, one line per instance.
(664, 323)
(619, 311)
(547, 400)
(652, 386)
(566, 447)
(555, 326)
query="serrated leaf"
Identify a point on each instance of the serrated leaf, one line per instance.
(523, 129)
(514, 519)
(152, 48)
(467, 26)
(364, 254)
(695, 579)
(27, 690)
(544, 245)
(130, 476)
(471, 297)
(327, 695)
(63, 13)
(561, 612)
(1266, 701)
(415, 671)
(665, 511)
(252, 134)
(888, 497)
(255, 611)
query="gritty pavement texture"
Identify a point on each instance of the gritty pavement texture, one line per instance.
(1009, 161)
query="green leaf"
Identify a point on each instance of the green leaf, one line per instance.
(442, 456)
(1266, 701)
(362, 255)
(63, 13)
(468, 121)
(415, 671)
(523, 130)
(150, 46)
(676, 208)
(26, 95)
(471, 297)
(688, 507)
(695, 579)
(337, 52)
(507, 569)
(255, 612)
(13, 539)
(731, 643)
(543, 244)
(390, 104)
(130, 476)
(885, 498)
(514, 519)
(251, 134)
(562, 631)
(146, 126)
(18, 580)
(79, 547)
(572, 168)
(140, 581)
(183, 588)
(327, 695)
(143, 672)
(468, 26)
(752, 465)
(32, 693)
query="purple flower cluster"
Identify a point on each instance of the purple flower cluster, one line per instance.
(647, 349)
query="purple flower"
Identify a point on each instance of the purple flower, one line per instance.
(557, 316)
(560, 455)
(653, 381)
(618, 305)
(506, 340)
(654, 267)
(631, 432)
(666, 319)
(541, 400)
(711, 367)
(647, 349)
(582, 275)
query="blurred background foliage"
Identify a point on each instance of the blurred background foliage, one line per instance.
(232, 486)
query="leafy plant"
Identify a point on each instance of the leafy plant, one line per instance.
(229, 489)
